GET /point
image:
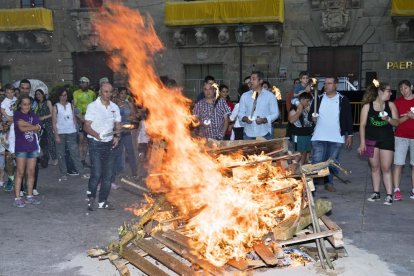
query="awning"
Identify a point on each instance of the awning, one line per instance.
(402, 8)
(26, 19)
(211, 12)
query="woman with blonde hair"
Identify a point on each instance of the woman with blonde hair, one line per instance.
(378, 117)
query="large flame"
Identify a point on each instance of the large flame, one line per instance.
(227, 214)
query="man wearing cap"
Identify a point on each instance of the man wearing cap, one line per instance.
(81, 98)
(101, 118)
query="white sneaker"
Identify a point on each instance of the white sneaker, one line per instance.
(35, 192)
(21, 193)
(1, 184)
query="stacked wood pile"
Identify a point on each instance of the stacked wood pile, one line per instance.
(139, 243)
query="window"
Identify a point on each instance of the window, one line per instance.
(5, 75)
(91, 3)
(194, 77)
(32, 3)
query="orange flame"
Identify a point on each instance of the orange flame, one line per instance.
(232, 213)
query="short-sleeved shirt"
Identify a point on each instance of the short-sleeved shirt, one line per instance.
(26, 141)
(406, 129)
(215, 112)
(82, 99)
(8, 106)
(103, 118)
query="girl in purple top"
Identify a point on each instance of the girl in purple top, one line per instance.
(26, 149)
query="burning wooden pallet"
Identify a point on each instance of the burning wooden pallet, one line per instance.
(140, 240)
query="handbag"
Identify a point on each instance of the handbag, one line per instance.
(369, 148)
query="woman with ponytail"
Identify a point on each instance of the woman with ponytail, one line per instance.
(378, 117)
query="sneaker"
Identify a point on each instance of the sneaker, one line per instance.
(330, 188)
(412, 195)
(85, 176)
(115, 186)
(397, 195)
(31, 200)
(63, 177)
(73, 173)
(19, 202)
(1, 184)
(388, 200)
(91, 204)
(105, 205)
(21, 193)
(35, 192)
(8, 187)
(374, 197)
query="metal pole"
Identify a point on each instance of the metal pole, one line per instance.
(241, 64)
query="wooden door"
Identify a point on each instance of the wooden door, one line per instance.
(92, 65)
(336, 61)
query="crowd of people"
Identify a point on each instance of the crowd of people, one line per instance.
(65, 128)
(320, 124)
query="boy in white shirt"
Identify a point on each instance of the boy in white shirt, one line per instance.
(7, 105)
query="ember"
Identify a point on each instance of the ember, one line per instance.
(232, 212)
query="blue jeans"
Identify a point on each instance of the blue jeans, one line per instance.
(268, 136)
(324, 150)
(102, 160)
(68, 141)
(126, 146)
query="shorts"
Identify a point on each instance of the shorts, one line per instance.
(30, 154)
(401, 148)
(385, 145)
(302, 143)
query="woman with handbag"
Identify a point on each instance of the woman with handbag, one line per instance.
(378, 117)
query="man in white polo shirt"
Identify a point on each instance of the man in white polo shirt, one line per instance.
(333, 127)
(102, 117)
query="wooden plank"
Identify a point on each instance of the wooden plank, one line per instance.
(164, 258)
(240, 264)
(309, 237)
(141, 263)
(177, 237)
(337, 239)
(265, 253)
(121, 266)
(185, 253)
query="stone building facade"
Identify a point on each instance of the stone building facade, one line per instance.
(357, 39)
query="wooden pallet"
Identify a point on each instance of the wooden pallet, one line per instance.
(137, 251)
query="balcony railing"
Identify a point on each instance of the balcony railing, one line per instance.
(212, 12)
(26, 19)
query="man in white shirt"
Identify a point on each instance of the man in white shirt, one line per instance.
(101, 118)
(258, 109)
(333, 127)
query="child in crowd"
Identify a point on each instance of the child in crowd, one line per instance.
(300, 127)
(303, 86)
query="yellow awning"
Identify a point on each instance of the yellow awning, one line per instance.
(26, 19)
(402, 8)
(223, 12)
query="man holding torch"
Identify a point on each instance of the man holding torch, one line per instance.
(333, 118)
(258, 109)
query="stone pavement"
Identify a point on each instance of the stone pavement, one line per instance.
(37, 240)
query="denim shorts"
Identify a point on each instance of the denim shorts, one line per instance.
(402, 146)
(30, 154)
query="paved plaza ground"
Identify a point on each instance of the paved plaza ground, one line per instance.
(52, 238)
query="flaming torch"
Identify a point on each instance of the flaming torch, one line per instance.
(124, 127)
(382, 113)
(277, 92)
(315, 98)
